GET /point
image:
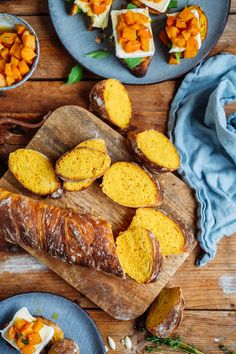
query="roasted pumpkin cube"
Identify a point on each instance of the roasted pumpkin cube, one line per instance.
(192, 44)
(2, 64)
(179, 41)
(27, 329)
(38, 325)
(29, 41)
(189, 54)
(14, 64)
(21, 342)
(99, 8)
(145, 32)
(180, 24)
(186, 15)
(129, 33)
(129, 18)
(23, 67)
(28, 349)
(14, 49)
(186, 34)
(20, 322)
(20, 29)
(7, 38)
(10, 80)
(17, 52)
(144, 43)
(28, 55)
(172, 32)
(8, 70)
(34, 338)
(5, 53)
(132, 46)
(2, 81)
(171, 20)
(16, 74)
(11, 333)
(194, 30)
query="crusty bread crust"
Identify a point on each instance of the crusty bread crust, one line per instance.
(157, 257)
(61, 233)
(141, 69)
(171, 322)
(140, 156)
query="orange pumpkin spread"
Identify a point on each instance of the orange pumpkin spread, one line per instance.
(98, 7)
(26, 334)
(17, 53)
(133, 32)
(181, 32)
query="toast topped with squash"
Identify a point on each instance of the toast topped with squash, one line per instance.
(97, 10)
(133, 39)
(155, 6)
(184, 33)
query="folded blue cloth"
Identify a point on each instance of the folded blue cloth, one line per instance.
(206, 141)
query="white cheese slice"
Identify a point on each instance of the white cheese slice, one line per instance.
(120, 52)
(160, 6)
(46, 332)
(98, 21)
(198, 36)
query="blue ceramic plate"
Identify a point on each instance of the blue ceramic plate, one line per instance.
(74, 321)
(73, 33)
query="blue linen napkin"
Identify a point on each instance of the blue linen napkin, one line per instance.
(206, 141)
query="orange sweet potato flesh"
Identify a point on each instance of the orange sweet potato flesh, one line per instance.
(28, 55)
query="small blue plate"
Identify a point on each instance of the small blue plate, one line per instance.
(73, 320)
(76, 38)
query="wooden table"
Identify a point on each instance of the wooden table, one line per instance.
(210, 315)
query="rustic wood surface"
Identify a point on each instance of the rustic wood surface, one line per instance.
(210, 292)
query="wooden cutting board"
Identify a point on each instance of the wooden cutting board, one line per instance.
(122, 299)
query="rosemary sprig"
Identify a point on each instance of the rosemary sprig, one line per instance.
(171, 342)
(226, 350)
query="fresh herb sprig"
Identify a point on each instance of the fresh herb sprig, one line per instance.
(171, 342)
(226, 349)
(173, 4)
(75, 75)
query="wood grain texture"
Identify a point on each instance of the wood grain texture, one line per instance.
(63, 130)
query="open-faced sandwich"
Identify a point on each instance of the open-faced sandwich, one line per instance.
(184, 33)
(98, 10)
(154, 6)
(36, 335)
(133, 39)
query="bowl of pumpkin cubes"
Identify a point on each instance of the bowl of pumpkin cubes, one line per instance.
(19, 51)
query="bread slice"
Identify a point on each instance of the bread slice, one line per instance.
(166, 312)
(141, 69)
(110, 100)
(97, 144)
(155, 150)
(139, 254)
(82, 163)
(132, 186)
(34, 171)
(173, 237)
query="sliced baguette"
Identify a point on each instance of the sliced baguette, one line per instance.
(173, 236)
(165, 314)
(139, 254)
(34, 171)
(141, 69)
(154, 149)
(97, 144)
(110, 100)
(130, 185)
(82, 163)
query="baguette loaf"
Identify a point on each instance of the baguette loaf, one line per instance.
(61, 233)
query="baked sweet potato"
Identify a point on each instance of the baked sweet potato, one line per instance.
(65, 346)
(165, 314)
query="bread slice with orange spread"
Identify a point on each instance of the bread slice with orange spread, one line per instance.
(34, 171)
(132, 186)
(155, 150)
(110, 100)
(139, 254)
(173, 236)
(166, 312)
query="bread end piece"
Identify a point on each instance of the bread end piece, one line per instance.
(141, 69)
(104, 98)
(165, 314)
